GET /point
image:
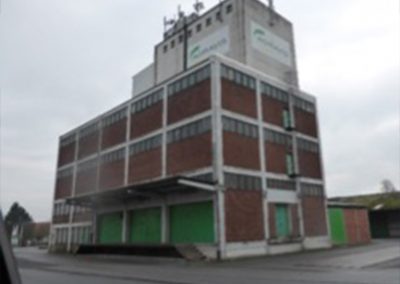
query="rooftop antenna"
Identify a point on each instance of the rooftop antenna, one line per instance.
(271, 12)
(167, 23)
(198, 6)
(181, 14)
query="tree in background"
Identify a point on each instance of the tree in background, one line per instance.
(16, 216)
(387, 186)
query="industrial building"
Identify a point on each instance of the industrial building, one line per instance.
(218, 148)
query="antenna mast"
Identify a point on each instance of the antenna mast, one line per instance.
(271, 12)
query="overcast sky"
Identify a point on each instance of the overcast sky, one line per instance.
(62, 62)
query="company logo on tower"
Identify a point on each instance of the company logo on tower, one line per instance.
(217, 42)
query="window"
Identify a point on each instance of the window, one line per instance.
(312, 190)
(229, 9)
(304, 105)
(238, 77)
(281, 184)
(145, 145)
(240, 127)
(180, 38)
(115, 117)
(208, 21)
(203, 177)
(68, 140)
(276, 137)
(189, 80)
(65, 173)
(245, 182)
(165, 48)
(189, 33)
(147, 101)
(87, 165)
(198, 28)
(218, 16)
(290, 169)
(113, 156)
(307, 145)
(287, 120)
(274, 92)
(172, 43)
(189, 130)
(90, 129)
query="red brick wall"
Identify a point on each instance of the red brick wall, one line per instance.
(63, 187)
(66, 154)
(114, 134)
(241, 151)
(145, 165)
(309, 164)
(271, 221)
(146, 121)
(189, 102)
(243, 216)
(86, 181)
(189, 154)
(273, 110)
(275, 160)
(294, 214)
(88, 145)
(238, 98)
(357, 226)
(82, 217)
(306, 122)
(314, 214)
(112, 175)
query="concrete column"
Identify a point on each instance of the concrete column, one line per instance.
(94, 227)
(125, 226)
(164, 223)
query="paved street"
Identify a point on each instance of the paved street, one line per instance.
(372, 264)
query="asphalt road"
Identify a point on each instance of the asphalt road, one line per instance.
(378, 263)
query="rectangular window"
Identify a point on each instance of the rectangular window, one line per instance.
(244, 182)
(189, 80)
(208, 22)
(148, 101)
(287, 120)
(240, 127)
(198, 28)
(229, 9)
(238, 77)
(190, 130)
(290, 169)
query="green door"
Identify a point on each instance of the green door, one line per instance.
(145, 226)
(110, 228)
(282, 221)
(192, 223)
(337, 226)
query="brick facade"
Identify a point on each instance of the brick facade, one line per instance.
(238, 99)
(66, 154)
(112, 175)
(190, 154)
(309, 164)
(189, 102)
(275, 158)
(86, 181)
(306, 122)
(244, 216)
(146, 121)
(241, 151)
(88, 145)
(63, 187)
(114, 134)
(144, 166)
(314, 214)
(273, 110)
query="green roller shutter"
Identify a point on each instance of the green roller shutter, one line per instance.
(337, 226)
(282, 221)
(192, 223)
(146, 226)
(110, 228)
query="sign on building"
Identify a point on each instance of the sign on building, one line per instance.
(217, 42)
(270, 44)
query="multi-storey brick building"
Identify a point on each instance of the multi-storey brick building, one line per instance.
(218, 147)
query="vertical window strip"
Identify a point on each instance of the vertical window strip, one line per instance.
(114, 156)
(68, 140)
(304, 105)
(306, 145)
(87, 165)
(89, 130)
(309, 189)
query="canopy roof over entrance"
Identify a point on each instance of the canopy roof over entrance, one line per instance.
(144, 191)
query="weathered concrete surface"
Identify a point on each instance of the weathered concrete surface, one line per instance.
(376, 263)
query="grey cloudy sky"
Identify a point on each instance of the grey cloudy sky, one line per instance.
(62, 62)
